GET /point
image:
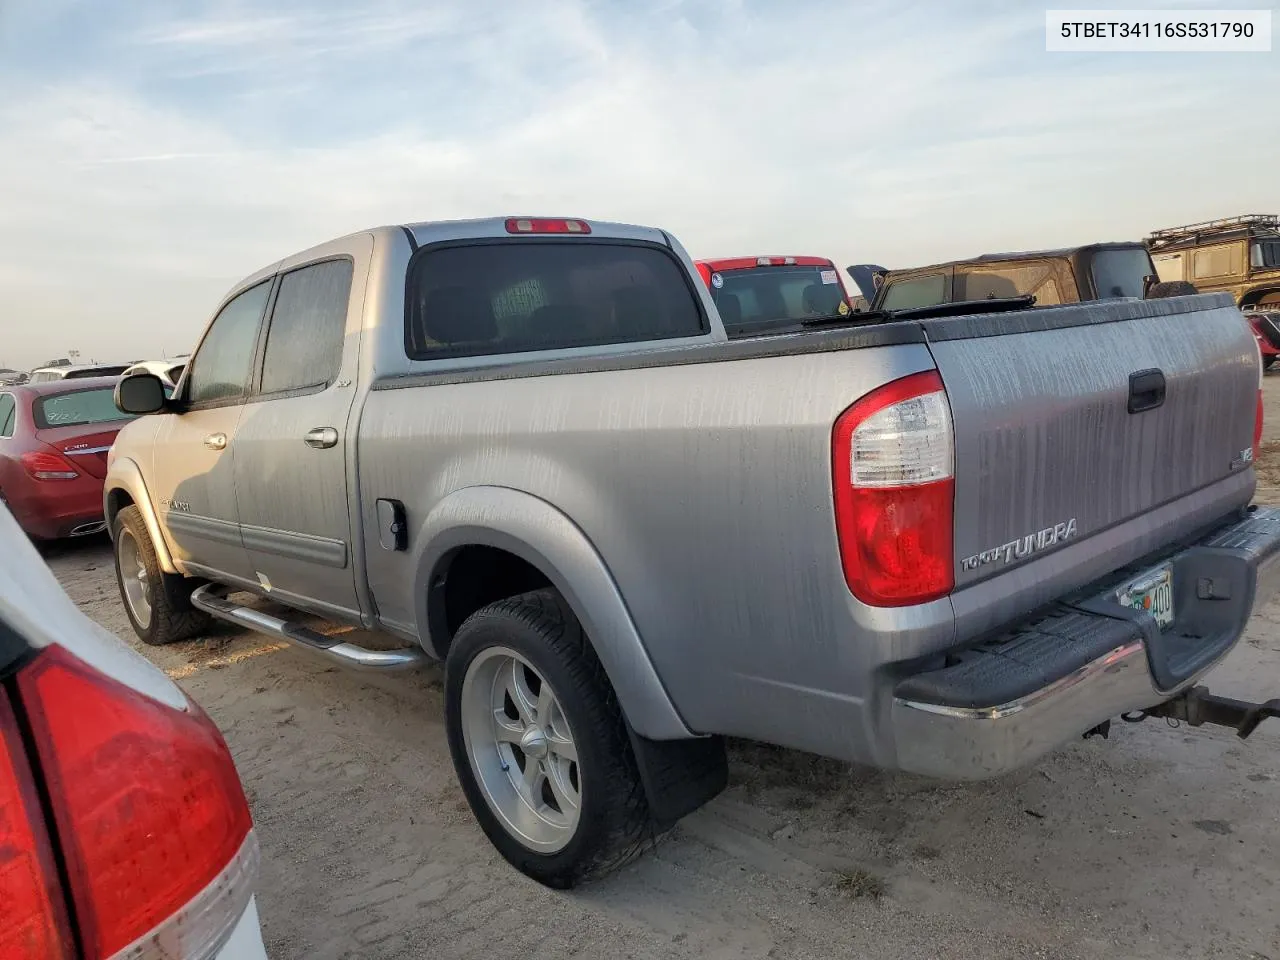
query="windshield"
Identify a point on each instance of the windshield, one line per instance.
(756, 299)
(77, 409)
(1120, 273)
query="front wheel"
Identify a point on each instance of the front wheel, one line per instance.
(158, 603)
(1268, 361)
(539, 742)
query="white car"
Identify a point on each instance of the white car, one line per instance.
(49, 374)
(150, 850)
(167, 370)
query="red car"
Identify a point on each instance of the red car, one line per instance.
(1266, 330)
(761, 294)
(54, 439)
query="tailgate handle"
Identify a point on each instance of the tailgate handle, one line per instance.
(1146, 390)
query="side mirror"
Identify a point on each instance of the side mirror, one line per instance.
(140, 394)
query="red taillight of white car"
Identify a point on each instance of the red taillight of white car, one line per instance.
(33, 921)
(151, 821)
(893, 464)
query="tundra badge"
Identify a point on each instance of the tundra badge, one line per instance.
(1023, 546)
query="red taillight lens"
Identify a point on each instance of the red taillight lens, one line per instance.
(152, 822)
(48, 466)
(534, 225)
(33, 923)
(894, 493)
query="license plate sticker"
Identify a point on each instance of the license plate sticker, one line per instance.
(1152, 592)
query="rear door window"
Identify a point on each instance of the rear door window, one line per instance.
(308, 325)
(994, 282)
(220, 369)
(487, 299)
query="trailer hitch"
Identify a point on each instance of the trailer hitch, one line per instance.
(1198, 706)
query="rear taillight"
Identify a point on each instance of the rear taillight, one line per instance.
(894, 492)
(33, 922)
(48, 466)
(152, 823)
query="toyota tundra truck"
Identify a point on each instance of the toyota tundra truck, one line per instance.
(527, 447)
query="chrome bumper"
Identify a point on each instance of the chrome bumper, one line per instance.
(1219, 582)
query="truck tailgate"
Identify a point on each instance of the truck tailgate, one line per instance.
(1060, 429)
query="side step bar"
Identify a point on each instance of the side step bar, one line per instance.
(211, 598)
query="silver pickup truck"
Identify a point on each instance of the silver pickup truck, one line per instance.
(945, 544)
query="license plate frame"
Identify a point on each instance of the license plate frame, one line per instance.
(1151, 592)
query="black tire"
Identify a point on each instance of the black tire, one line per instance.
(172, 616)
(614, 825)
(1268, 361)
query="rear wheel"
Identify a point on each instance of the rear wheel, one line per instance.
(539, 742)
(1268, 361)
(158, 603)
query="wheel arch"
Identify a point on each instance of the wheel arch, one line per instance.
(535, 533)
(125, 487)
(1257, 294)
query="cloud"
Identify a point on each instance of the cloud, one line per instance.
(178, 154)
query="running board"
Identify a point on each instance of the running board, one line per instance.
(212, 600)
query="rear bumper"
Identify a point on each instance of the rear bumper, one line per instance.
(51, 509)
(1015, 697)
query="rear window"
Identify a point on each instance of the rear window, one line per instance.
(510, 297)
(78, 408)
(754, 300)
(95, 372)
(1120, 273)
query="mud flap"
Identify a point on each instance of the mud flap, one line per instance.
(679, 776)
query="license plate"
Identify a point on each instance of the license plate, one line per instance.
(1152, 592)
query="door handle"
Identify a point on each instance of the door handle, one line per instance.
(322, 438)
(216, 441)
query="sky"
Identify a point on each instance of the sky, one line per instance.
(153, 152)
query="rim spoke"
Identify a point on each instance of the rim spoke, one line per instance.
(561, 788)
(546, 702)
(506, 729)
(531, 781)
(562, 747)
(518, 690)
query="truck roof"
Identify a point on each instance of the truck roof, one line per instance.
(1054, 254)
(434, 231)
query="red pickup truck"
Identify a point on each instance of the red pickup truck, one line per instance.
(757, 295)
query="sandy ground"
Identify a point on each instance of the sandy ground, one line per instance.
(1158, 843)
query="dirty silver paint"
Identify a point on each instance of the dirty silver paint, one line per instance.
(686, 510)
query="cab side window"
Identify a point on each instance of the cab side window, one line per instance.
(308, 323)
(221, 367)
